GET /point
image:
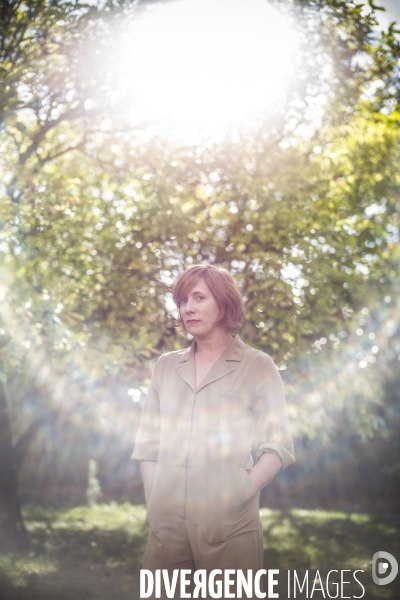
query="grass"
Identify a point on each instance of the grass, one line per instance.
(95, 553)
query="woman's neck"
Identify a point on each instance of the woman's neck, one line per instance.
(214, 344)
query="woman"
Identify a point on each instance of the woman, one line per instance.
(206, 408)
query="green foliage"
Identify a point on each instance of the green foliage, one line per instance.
(98, 217)
(103, 233)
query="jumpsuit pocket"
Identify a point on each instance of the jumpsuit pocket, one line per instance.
(235, 508)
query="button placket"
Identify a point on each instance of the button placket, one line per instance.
(186, 443)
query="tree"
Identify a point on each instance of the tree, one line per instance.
(53, 97)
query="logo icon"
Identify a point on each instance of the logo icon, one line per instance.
(380, 568)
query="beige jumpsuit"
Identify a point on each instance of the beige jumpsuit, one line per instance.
(202, 508)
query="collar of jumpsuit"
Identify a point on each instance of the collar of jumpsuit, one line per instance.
(224, 365)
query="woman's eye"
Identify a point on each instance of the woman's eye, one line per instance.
(183, 301)
(200, 297)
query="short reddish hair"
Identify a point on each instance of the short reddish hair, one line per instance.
(223, 287)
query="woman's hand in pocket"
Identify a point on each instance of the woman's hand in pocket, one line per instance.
(268, 465)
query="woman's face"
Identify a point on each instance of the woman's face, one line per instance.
(200, 311)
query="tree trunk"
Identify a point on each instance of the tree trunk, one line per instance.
(12, 528)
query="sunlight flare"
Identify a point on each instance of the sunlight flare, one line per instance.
(208, 64)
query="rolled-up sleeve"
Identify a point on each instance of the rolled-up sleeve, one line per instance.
(148, 435)
(273, 427)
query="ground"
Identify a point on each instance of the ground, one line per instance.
(94, 553)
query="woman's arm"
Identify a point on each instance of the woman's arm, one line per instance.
(268, 465)
(273, 428)
(146, 467)
(148, 435)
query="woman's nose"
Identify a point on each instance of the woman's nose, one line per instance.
(189, 306)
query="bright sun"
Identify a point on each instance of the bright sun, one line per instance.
(208, 64)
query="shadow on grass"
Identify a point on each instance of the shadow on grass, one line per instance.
(311, 540)
(95, 553)
(90, 553)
